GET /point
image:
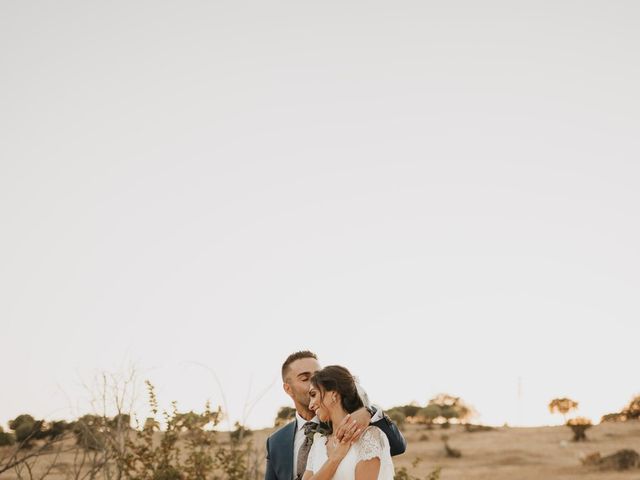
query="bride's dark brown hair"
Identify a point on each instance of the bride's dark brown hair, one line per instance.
(335, 378)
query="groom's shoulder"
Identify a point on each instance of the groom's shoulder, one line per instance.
(283, 432)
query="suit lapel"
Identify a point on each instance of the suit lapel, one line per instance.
(290, 446)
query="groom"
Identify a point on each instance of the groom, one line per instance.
(287, 449)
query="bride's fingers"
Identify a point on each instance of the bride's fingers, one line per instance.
(343, 427)
(356, 435)
(353, 427)
(352, 438)
(349, 431)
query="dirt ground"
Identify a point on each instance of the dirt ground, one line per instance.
(518, 453)
(507, 453)
(501, 454)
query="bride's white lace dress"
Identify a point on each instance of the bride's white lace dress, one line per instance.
(373, 443)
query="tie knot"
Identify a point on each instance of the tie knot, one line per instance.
(310, 428)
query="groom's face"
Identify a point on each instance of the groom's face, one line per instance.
(297, 381)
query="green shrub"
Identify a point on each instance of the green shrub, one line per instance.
(6, 438)
(284, 415)
(403, 473)
(25, 433)
(167, 473)
(397, 416)
(240, 432)
(88, 432)
(20, 420)
(56, 429)
(122, 421)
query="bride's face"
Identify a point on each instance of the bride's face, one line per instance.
(317, 405)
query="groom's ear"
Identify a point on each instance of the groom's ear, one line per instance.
(287, 389)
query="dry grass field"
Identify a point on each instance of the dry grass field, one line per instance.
(519, 453)
(514, 453)
(502, 454)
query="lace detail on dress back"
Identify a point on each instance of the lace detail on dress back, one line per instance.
(371, 444)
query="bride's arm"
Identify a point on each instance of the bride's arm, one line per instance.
(368, 469)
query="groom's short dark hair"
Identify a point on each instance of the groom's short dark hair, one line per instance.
(293, 357)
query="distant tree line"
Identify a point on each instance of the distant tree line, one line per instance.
(630, 412)
(580, 425)
(443, 409)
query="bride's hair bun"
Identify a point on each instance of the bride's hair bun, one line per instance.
(336, 378)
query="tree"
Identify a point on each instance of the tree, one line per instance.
(632, 410)
(579, 426)
(429, 414)
(446, 407)
(397, 416)
(410, 410)
(613, 417)
(563, 406)
(27, 429)
(89, 432)
(6, 438)
(284, 415)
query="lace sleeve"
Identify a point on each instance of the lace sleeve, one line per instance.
(371, 444)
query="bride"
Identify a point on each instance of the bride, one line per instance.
(334, 395)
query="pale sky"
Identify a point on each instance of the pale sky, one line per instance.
(440, 196)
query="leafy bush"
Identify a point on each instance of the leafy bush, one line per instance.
(188, 449)
(240, 432)
(27, 429)
(6, 438)
(403, 473)
(284, 415)
(88, 431)
(21, 420)
(621, 460)
(55, 429)
(122, 421)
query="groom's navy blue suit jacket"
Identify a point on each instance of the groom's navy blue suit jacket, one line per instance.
(280, 448)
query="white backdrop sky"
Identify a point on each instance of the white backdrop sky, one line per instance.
(441, 196)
